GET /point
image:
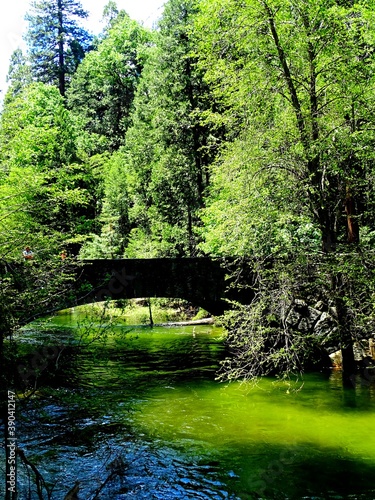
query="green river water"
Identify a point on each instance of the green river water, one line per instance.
(138, 414)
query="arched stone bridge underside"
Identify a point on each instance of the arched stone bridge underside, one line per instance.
(203, 281)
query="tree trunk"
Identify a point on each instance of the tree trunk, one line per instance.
(352, 223)
(344, 324)
(328, 238)
(61, 49)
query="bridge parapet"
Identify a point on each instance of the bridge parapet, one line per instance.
(200, 280)
(203, 281)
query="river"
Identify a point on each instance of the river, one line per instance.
(135, 412)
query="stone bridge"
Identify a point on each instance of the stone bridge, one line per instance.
(203, 281)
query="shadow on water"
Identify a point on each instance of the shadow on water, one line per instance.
(303, 472)
(141, 416)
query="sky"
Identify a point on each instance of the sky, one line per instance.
(13, 25)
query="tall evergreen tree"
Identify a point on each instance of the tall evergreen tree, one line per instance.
(169, 148)
(56, 41)
(19, 74)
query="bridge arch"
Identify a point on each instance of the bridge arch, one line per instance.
(199, 280)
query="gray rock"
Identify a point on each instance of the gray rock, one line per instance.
(333, 312)
(324, 325)
(293, 318)
(314, 314)
(360, 350)
(305, 325)
(320, 306)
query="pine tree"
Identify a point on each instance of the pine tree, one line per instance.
(55, 40)
(169, 148)
(19, 74)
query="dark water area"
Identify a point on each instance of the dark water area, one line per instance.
(136, 413)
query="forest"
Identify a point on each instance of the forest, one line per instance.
(235, 129)
(242, 129)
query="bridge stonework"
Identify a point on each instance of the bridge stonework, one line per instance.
(202, 281)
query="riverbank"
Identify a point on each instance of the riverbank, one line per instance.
(203, 321)
(154, 311)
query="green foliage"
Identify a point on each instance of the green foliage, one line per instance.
(167, 147)
(46, 195)
(36, 131)
(19, 74)
(258, 339)
(264, 339)
(31, 289)
(201, 314)
(255, 207)
(162, 168)
(102, 90)
(56, 42)
(101, 100)
(295, 88)
(113, 218)
(295, 83)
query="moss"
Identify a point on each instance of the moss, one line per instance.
(202, 313)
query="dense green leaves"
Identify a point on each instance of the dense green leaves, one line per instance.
(45, 190)
(167, 148)
(102, 90)
(296, 85)
(36, 130)
(19, 74)
(300, 76)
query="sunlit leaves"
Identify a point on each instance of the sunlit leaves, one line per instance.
(300, 75)
(102, 90)
(44, 191)
(36, 130)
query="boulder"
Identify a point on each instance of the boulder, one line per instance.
(336, 358)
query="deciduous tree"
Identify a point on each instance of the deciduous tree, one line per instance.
(102, 90)
(297, 81)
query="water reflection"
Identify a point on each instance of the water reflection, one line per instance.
(140, 416)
